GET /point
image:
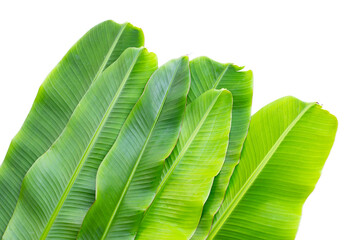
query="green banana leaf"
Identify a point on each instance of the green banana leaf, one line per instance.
(56, 100)
(207, 74)
(60, 187)
(190, 169)
(128, 177)
(281, 161)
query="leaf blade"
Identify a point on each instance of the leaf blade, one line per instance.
(273, 178)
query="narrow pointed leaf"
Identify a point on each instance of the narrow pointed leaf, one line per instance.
(284, 152)
(56, 100)
(128, 177)
(207, 74)
(60, 187)
(190, 169)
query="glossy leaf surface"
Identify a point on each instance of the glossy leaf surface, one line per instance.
(284, 152)
(207, 74)
(60, 187)
(55, 102)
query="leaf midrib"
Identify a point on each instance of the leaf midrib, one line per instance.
(181, 154)
(109, 53)
(139, 158)
(215, 229)
(87, 151)
(218, 80)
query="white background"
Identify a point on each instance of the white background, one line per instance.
(308, 49)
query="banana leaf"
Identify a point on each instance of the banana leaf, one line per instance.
(55, 102)
(128, 177)
(281, 161)
(190, 169)
(59, 188)
(207, 74)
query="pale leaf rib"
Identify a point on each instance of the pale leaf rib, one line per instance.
(108, 55)
(220, 77)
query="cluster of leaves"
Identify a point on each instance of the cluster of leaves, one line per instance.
(116, 148)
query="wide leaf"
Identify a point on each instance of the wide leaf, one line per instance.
(207, 74)
(60, 187)
(55, 102)
(190, 169)
(128, 177)
(284, 152)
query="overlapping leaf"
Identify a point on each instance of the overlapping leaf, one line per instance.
(93, 107)
(129, 175)
(59, 188)
(207, 74)
(284, 152)
(57, 98)
(190, 169)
